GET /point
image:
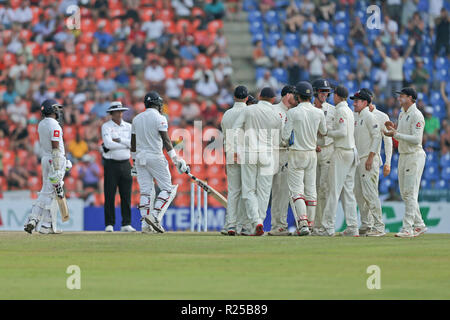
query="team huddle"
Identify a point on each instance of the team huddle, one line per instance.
(306, 155)
(319, 154)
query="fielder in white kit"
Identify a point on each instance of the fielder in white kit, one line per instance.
(261, 126)
(233, 147)
(342, 169)
(368, 142)
(280, 187)
(305, 121)
(409, 133)
(54, 166)
(325, 148)
(148, 137)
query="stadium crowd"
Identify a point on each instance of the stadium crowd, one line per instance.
(405, 43)
(119, 51)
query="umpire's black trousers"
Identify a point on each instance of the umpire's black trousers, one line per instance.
(117, 174)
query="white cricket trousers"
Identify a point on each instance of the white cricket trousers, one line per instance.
(323, 188)
(234, 217)
(366, 194)
(410, 169)
(341, 177)
(280, 194)
(302, 183)
(148, 168)
(256, 187)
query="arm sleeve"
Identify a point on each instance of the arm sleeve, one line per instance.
(107, 140)
(288, 127)
(56, 132)
(417, 130)
(375, 133)
(162, 125)
(387, 145)
(322, 125)
(126, 141)
(240, 121)
(340, 128)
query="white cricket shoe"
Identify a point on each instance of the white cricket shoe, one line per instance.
(151, 220)
(349, 233)
(420, 230)
(303, 231)
(146, 228)
(127, 228)
(375, 233)
(224, 232)
(405, 234)
(109, 228)
(48, 230)
(279, 232)
(30, 225)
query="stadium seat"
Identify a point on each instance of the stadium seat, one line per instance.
(291, 40)
(250, 5)
(384, 185)
(444, 161)
(445, 173)
(255, 16)
(272, 39)
(260, 71)
(257, 37)
(175, 108)
(280, 74)
(69, 84)
(441, 185)
(256, 27)
(441, 63)
(215, 25)
(431, 172)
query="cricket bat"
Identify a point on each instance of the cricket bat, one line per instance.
(217, 195)
(63, 209)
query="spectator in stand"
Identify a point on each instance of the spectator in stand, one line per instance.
(7, 15)
(434, 10)
(100, 106)
(153, 28)
(420, 76)
(309, 39)
(294, 19)
(215, 10)
(170, 50)
(106, 85)
(394, 64)
(416, 30)
(210, 113)
(442, 34)
(279, 53)
(182, 7)
(174, 86)
(409, 8)
(17, 111)
(445, 98)
(132, 7)
(267, 81)
(40, 96)
(296, 68)
(394, 9)
(63, 35)
(89, 173)
(315, 59)
(19, 136)
(325, 10)
(326, 42)
(23, 14)
(189, 50)
(191, 110)
(389, 28)
(101, 8)
(155, 75)
(138, 48)
(259, 56)
(77, 148)
(52, 62)
(363, 66)
(17, 176)
(122, 32)
(9, 96)
(357, 32)
(266, 5)
(445, 137)
(22, 84)
(206, 87)
(307, 8)
(432, 125)
(102, 39)
(44, 29)
(330, 67)
(381, 79)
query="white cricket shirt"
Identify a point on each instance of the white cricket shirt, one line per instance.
(367, 133)
(410, 130)
(146, 126)
(49, 130)
(117, 150)
(343, 127)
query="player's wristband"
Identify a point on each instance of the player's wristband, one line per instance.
(172, 154)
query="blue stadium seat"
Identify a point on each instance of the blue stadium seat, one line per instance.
(341, 16)
(272, 39)
(444, 161)
(249, 5)
(409, 63)
(260, 72)
(340, 41)
(431, 172)
(441, 63)
(343, 73)
(343, 60)
(255, 16)
(342, 28)
(425, 184)
(432, 159)
(441, 185)
(322, 26)
(306, 25)
(352, 86)
(291, 40)
(394, 159)
(447, 88)
(445, 173)
(439, 111)
(384, 185)
(257, 36)
(280, 74)
(271, 17)
(394, 173)
(423, 97)
(408, 74)
(366, 84)
(435, 98)
(281, 4)
(441, 75)
(256, 27)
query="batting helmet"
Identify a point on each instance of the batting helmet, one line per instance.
(304, 89)
(50, 106)
(321, 84)
(153, 99)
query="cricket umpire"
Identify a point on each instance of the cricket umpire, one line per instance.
(116, 135)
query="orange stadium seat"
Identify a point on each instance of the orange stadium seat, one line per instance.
(4, 143)
(3, 184)
(35, 48)
(215, 25)
(32, 132)
(99, 73)
(25, 34)
(85, 12)
(71, 61)
(36, 11)
(88, 25)
(99, 199)
(169, 71)
(175, 108)
(182, 182)
(115, 4)
(196, 11)
(188, 93)
(15, 3)
(88, 105)
(82, 48)
(8, 157)
(35, 184)
(204, 60)
(82, 72)
(215, 170)
(89, 60)
(218, 183)
(86, 36)
(107, 61)
(165, 14)
(9, 59)
(170, 26)
(182, 199)
(115, 24)
(107, 24)
(182, 24)
(147, 13)
(199, 171)
(69, 84)
(70, 184)
(135, 199)
(69, 132)
(46, 46)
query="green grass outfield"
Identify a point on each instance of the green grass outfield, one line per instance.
(179, 265)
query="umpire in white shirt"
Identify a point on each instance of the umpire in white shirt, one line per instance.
(116, 135)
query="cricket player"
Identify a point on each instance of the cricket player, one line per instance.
(148, 137)
(325, 147)
(409, 133)
(305, 121)
(54, 166)
(261, 124)
(280, 188)
(342, 169)
(368, 142)
(233, 147)
(381, 118)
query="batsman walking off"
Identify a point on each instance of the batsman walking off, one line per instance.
(148, 137)
(54, 166)
(409, 133)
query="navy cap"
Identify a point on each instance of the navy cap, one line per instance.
(241, 92)
(409, 92)
(341, 91)
(288, 89)
(251, 100)
(362, 95)
(368, 91)
(267, 92)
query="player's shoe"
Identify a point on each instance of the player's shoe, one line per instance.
(127, 228)
(109, 228)
(349, 233)
(151, 220)
(146, 228)
(48, 230)
(259, 230)
(420, 230)
(364, 231)
(231, 231)
(245, 232)
(303, 231)
(279, 232)
(224, 232)
(30, 225)
(375, 233)
(405, 234)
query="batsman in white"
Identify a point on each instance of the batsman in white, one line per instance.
(148, 137)
(280, 188)
(261, 124)
(342, 169)
(411, 162)
(54, 166)
(325, 148)
(305, 121)
(233, 148)
(368, 141)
